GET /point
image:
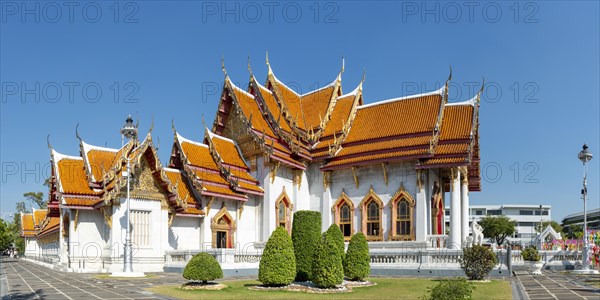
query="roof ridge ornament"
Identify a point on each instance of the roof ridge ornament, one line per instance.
(48, 142)
(343, 65)
(151, 124)
(250, 68)
(77, 132)
(223, 65)
(173, 126)
(267, 62)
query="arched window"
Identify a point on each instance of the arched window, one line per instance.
(283, 212)
(402, 216)
(343, 210)
(222, 226)
(372, 208)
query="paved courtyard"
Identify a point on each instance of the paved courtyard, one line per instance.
(26, 280)
(559, 285)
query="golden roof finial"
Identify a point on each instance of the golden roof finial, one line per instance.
(151, 124)
(250, 68)
(268, 64)
(450, 76)
(48, 142)
(223, 65)
(343, 65)
(173, 126)
(157, 143)
(77, 132)
(202, 117)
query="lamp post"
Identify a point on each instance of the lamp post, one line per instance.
(585, 156)
(129, 131)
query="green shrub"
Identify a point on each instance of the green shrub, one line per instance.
(202, 267)
(530, 253)
(334, 234)
(356, 263)
(278, 264)
(477, 261)
(327, 269)
(451, 289)
(306, 233)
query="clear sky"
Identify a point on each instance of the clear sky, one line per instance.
(93, 63)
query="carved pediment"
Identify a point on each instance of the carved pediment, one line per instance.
(145, 185)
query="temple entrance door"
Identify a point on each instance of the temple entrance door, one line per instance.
(221, 239)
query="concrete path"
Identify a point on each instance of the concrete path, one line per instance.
(559, 285)
(27, 280)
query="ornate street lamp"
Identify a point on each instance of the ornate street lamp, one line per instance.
(129, 131)
(585, 156)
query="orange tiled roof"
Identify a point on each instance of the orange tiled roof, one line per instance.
(73, 178)
(339, 116)
(394, 118)
(100, 161)
(384, 145)
(249, 186)
(193, 211)
(447, 160)
(222, 190)
(27, 223)
(314, 106)
(183, 190)
(455, 136)
(39, 215)
(291, 101)
(250, 108)
(53, 224)
(198, 155)
(228, 151)
(457, 122)
(79, 201)
(273, 107)
(376, 157)
(210, 176)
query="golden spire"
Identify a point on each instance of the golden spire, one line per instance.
(223, 65)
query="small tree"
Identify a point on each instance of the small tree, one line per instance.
(530, 253)
(203, 267)
(334, 234)
(356, 263)
(451, 289)
(278, 264)
(497, 227)
(477, 261)
(327, 269)
(306, 232)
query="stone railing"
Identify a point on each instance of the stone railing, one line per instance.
(392, 256)
(437, 241)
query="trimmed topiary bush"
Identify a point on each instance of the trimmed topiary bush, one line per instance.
(327, 269)
(356, 263)
(278, 264)
(306, 233)
(477, 261)
(530, 253)
(202, 267)
(334, 234)
(450, 289)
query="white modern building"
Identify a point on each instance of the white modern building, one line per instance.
(528, 218)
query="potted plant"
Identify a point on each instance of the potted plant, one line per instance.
(533, 259)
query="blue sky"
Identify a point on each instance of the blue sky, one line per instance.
(153, 58)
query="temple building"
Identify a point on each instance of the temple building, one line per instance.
(380, 168)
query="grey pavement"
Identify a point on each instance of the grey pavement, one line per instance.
(558, 285)
(27, 280)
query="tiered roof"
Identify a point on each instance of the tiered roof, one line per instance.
(339, 131)
(216, 167)
(38, 223)
(94, 179)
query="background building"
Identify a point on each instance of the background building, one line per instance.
(527, 216)
(593, 219)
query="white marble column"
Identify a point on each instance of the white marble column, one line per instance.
(464, 205)
(421, 209)
(326, 211)
(455, 211)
